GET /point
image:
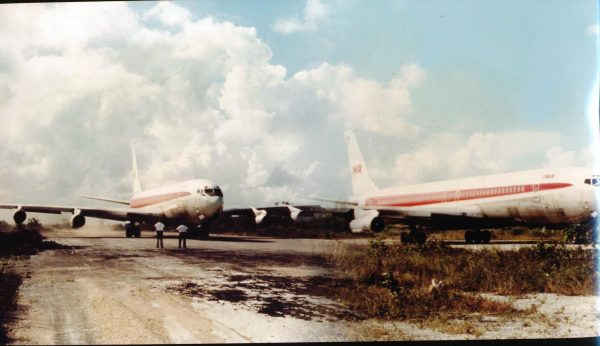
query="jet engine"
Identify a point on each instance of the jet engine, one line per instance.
(261, 217)
(294, 212)
(77, 221)
(367, 223)
(19, 216)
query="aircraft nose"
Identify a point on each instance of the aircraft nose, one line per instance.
(217, 203)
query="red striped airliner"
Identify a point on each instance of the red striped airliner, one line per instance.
(195, 203)
(542, 197)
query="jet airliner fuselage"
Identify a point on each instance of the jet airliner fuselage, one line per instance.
(545, 197)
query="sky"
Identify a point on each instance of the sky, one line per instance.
(256, 95)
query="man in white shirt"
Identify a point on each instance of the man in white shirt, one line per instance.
(182, 229)
(160, 227)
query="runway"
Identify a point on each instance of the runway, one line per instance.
(101, 287)
(104, 288)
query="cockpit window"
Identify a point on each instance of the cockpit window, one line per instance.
(593, 181)
(216, 191)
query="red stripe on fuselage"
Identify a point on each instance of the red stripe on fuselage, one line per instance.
(415, 199)
(146, 201)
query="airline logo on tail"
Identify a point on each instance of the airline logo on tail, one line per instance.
(356, 169)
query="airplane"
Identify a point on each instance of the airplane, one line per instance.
(196, 203)
(542, 197)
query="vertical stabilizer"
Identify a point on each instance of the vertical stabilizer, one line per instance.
(137, 188)
(361, 181)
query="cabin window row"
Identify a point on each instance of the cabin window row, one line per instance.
(453, 195)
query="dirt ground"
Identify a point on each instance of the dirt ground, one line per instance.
(105, 288)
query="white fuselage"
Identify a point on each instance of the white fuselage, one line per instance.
(192, 202)
(543, 196)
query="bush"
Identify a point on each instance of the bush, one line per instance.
(393, 281)
(24, 239)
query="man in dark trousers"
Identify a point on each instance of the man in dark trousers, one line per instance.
(182, 229)
(160, 227)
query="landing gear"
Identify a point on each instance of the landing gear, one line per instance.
(416, 235)
(477, 236)
(133, 229)
(201, 232)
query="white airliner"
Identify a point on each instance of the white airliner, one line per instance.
(195, 203)
(542, 197)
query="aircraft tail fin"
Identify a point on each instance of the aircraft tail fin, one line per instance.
(137, 187)
(361, 180)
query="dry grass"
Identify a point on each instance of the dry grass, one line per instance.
(392, 281)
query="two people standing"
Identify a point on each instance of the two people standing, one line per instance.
(160, 228)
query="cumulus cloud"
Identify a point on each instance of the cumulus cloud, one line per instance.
(365, 103)
(315, 12)
(201, 98)
(168, 14)
(448, 155)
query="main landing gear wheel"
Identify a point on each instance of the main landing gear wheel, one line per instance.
(477, 236)
(133, 230)
(203, 233)
(486, 236)
(416, 235)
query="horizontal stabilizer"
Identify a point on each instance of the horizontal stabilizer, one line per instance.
(106, 199)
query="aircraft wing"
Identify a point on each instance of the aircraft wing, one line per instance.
(425, 212)
(437, 217)
(117, 214)
(433, 216)
(282, 211)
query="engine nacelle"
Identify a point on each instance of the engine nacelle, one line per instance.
(367, 223)
(19, 216)
(260, 216)
(294, 212)
(77, 221)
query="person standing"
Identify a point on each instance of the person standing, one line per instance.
(160, 227)
(182, 229)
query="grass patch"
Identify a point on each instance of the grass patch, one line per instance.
(394, 281)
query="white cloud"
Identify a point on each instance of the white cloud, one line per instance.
(592, 30)
(315, 12)
(446, 156)
(204, 101)
(366, 103)
(168, 14)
